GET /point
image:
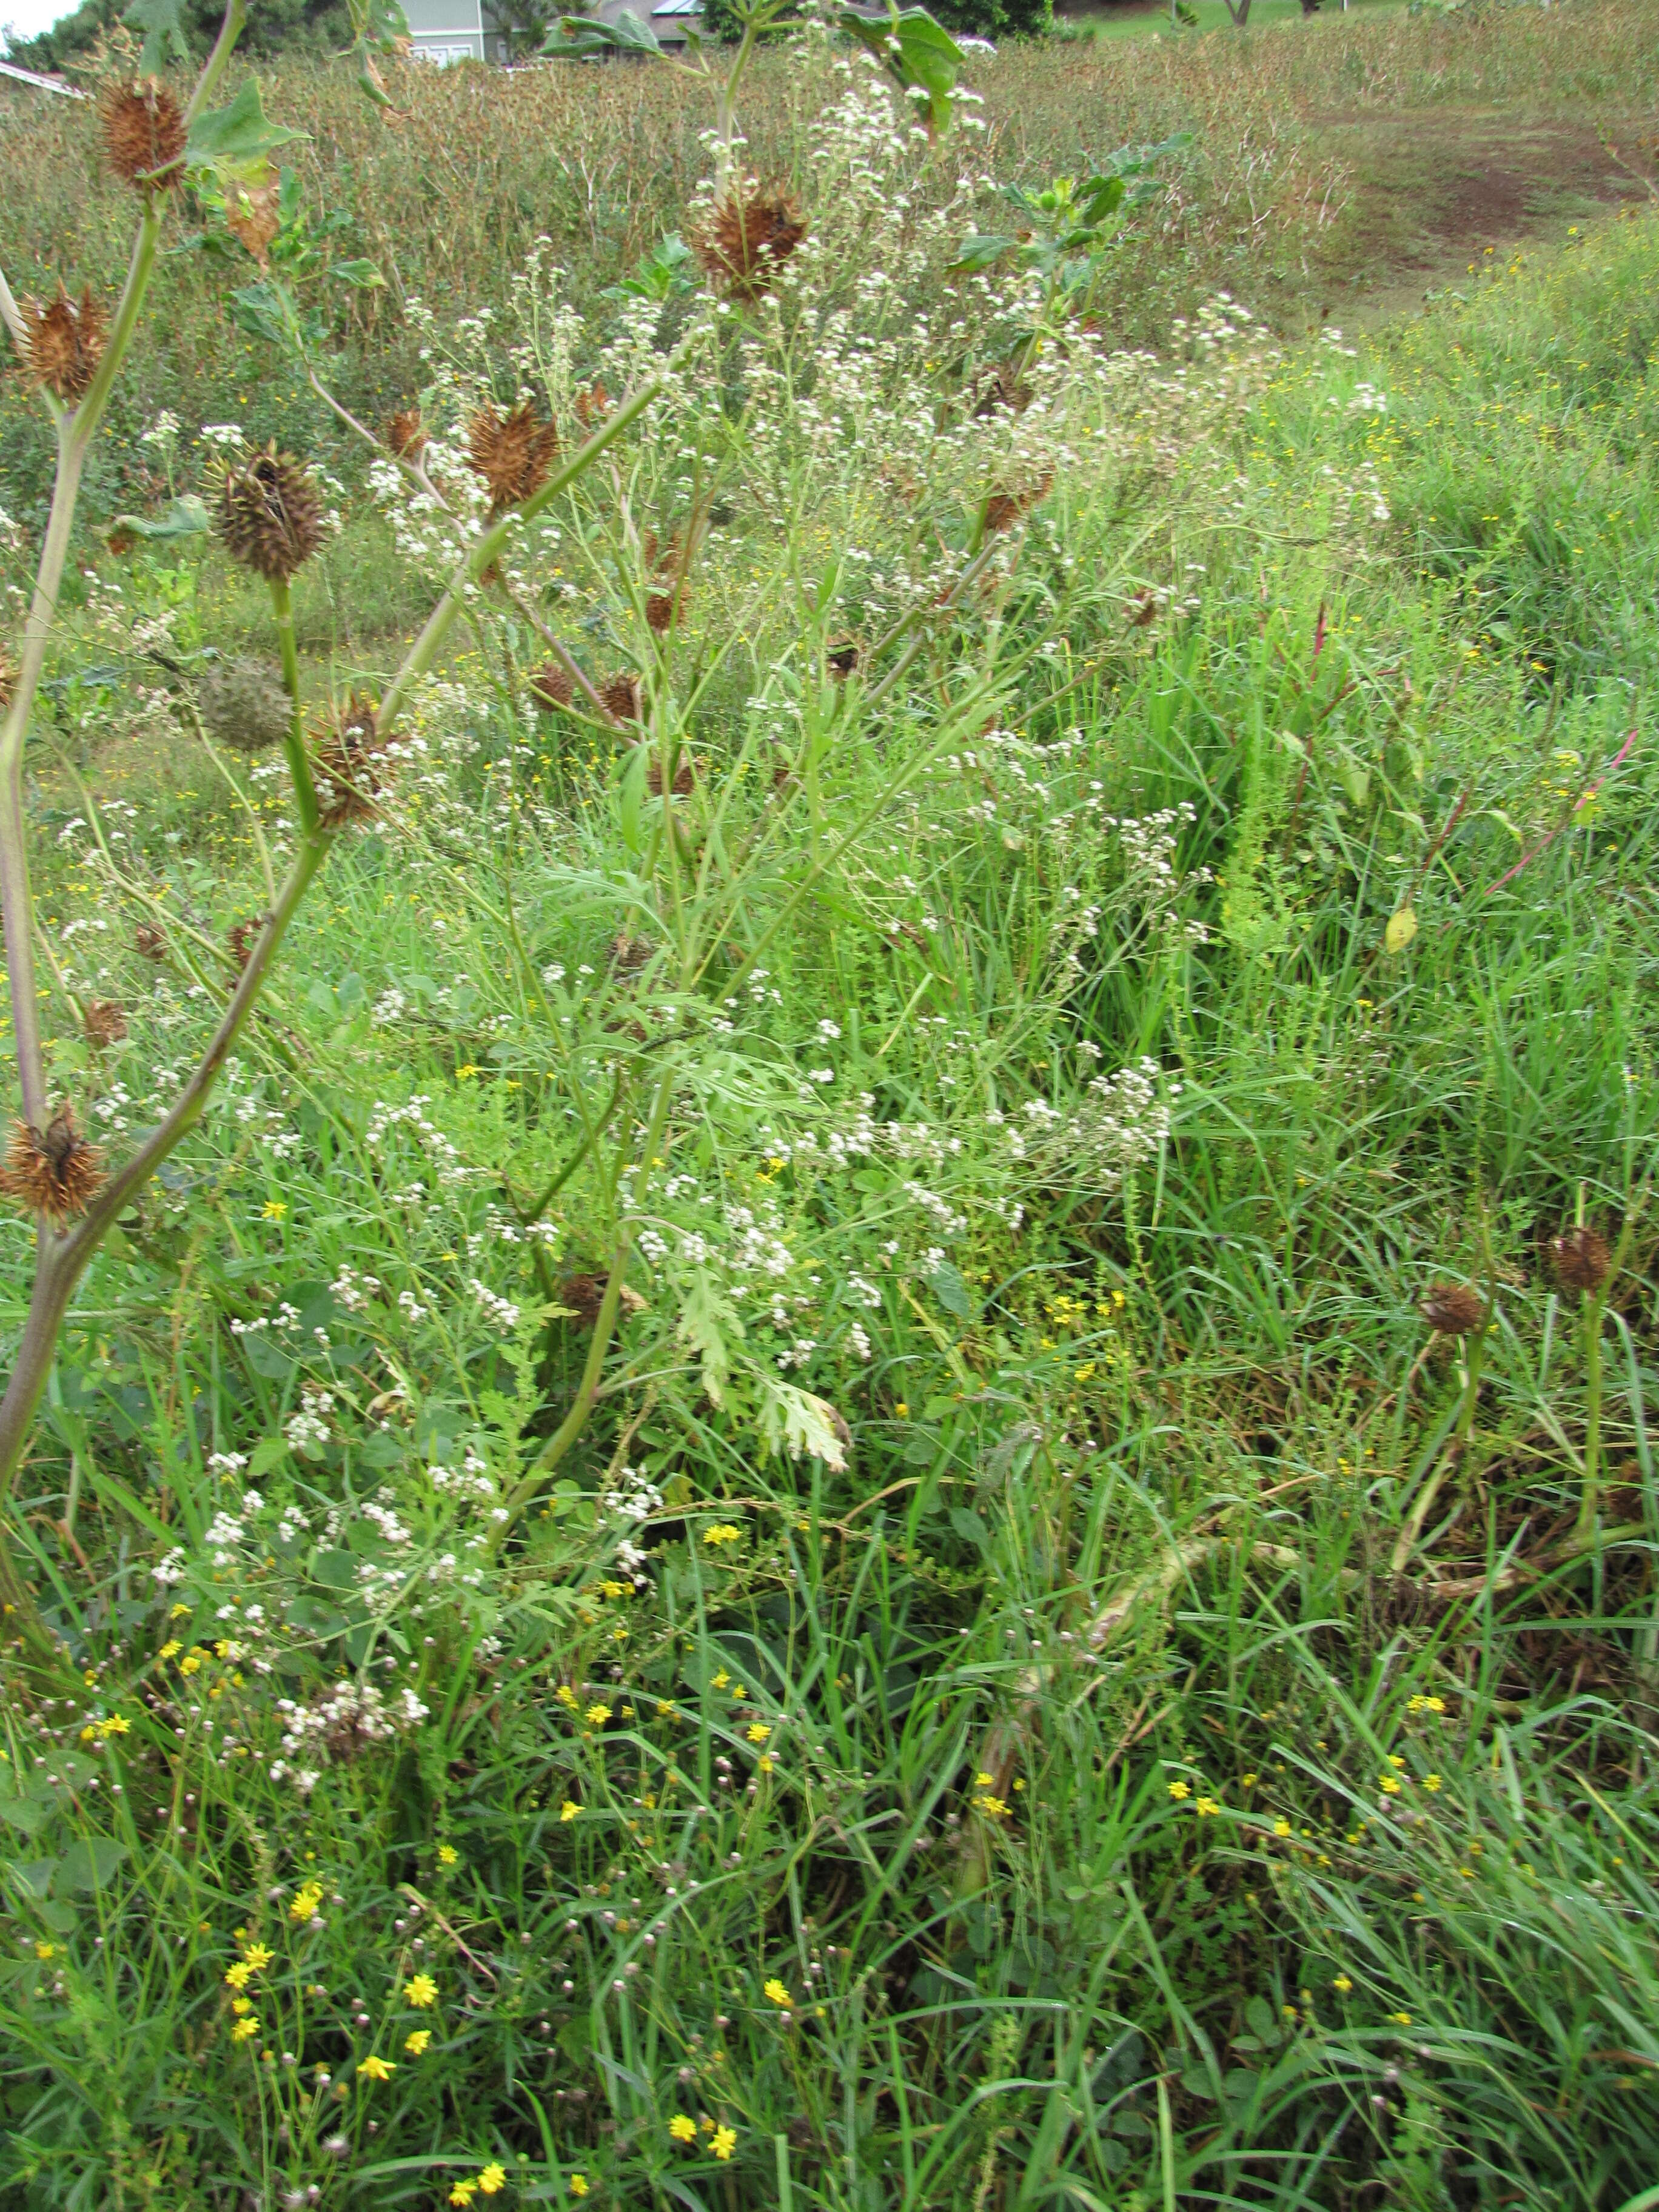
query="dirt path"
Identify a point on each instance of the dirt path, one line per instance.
(1434, 189)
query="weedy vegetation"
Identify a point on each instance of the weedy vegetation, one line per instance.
(829, 1236)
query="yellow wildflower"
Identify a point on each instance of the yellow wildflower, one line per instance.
(1432, 1781)
(1342, 1986)
(757, 1731)
(725, 2142)
(722, 1533)
(306, 1901)
(776, 1992)
(169, 1648)
(1180, 1791)
(985, 1782)
(1281, 1827)
(447, 1855)
(596, 1716)
(565, 1695)
(256, 1958)
(375, 2068)
(116, 1724)
(578, 2184)
(683, 2128)
(1401, 2019)
(464, 2193)
(721, 1679)
(415, 2041)
(420, 1990)
(492, 2178)
(569, 1809)
(272, 1209)
(239, 1975)
(246, 2028)
(1204, 1806)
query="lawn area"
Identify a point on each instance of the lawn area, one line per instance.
(889, 1442)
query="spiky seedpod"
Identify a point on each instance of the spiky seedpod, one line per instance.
(105, 1022)
(406, 433)
(747, 239)
(268, 514)
(346, 763)
(243, 704)
(149, 942)
(663, 609)
(551, 685)
(624, 697)
(65, 343)
(52, 1170)
(1581, 1259)
(841, 658)
(685, 774)
(1143, 609)
(242, 936)
(1453, 1309)
(1004, 508)
(255, 215)
(144, 132)
(510, 453)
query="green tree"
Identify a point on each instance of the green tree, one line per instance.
(274, 26)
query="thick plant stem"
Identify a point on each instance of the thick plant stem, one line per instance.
(294, 741)
(1589, 1497)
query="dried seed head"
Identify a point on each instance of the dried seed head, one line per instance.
(510, 453)
(242, 936)
(629, 954)
(65, 343)
(243, 704)
(841, 657)
(144, 132)
(747, 239)
(347, 763)
(1453, 1309)
(551, 686)
(150, 941)
(1581, 1259)
(105, 1022)
(406, 433)
(1143, 608)
(254, 214)
(593, 405)
(685, 774)
(624, 697)
(663, 609)
(1004, 508)
(52, 1170)
(268, 514)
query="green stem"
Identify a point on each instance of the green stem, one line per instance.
(294, 737)
(1590, 1497)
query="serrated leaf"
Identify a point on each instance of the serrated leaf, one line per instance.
(266, 311)
(236, 142)
(706, 1318)
(162, 24)
(794, 1421)
(1402, 927)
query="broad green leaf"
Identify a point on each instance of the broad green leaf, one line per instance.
(236, 142)
(89, 1864)
(162, 24)
(26, 1814)
(266, 311)
(1402, 927)
(577, 38)
(794, 1420)
(951, 1292)
(363, 274)
(917, 53)
(180, 518)
(981, 249)
(33, 1876)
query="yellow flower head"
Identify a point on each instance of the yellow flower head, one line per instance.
(1281, 1827)
(725, 2142)
(565, 1695)
(447, 1855)
(414, 2042)
(256, 1958)
(776, 1993)
(721, 1679)
(1432, 1781)
(683, 2128)
(569, 1809)
(1342, 1986)
(246, 2028)
(306, 1901)
(116, 1724)
(1180, 1791)
(420, 1990)
(985, 1782)
(1401, 2019)
(993, 1808)
(578, 2184)
(722, 1533)
(596, 1716)
(272, 1209)
(492, 2178)
(757, 1731)
(374, 2067)
(1204, 1806)
(239, 1975)
(170, 1648)
(464, 2193)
